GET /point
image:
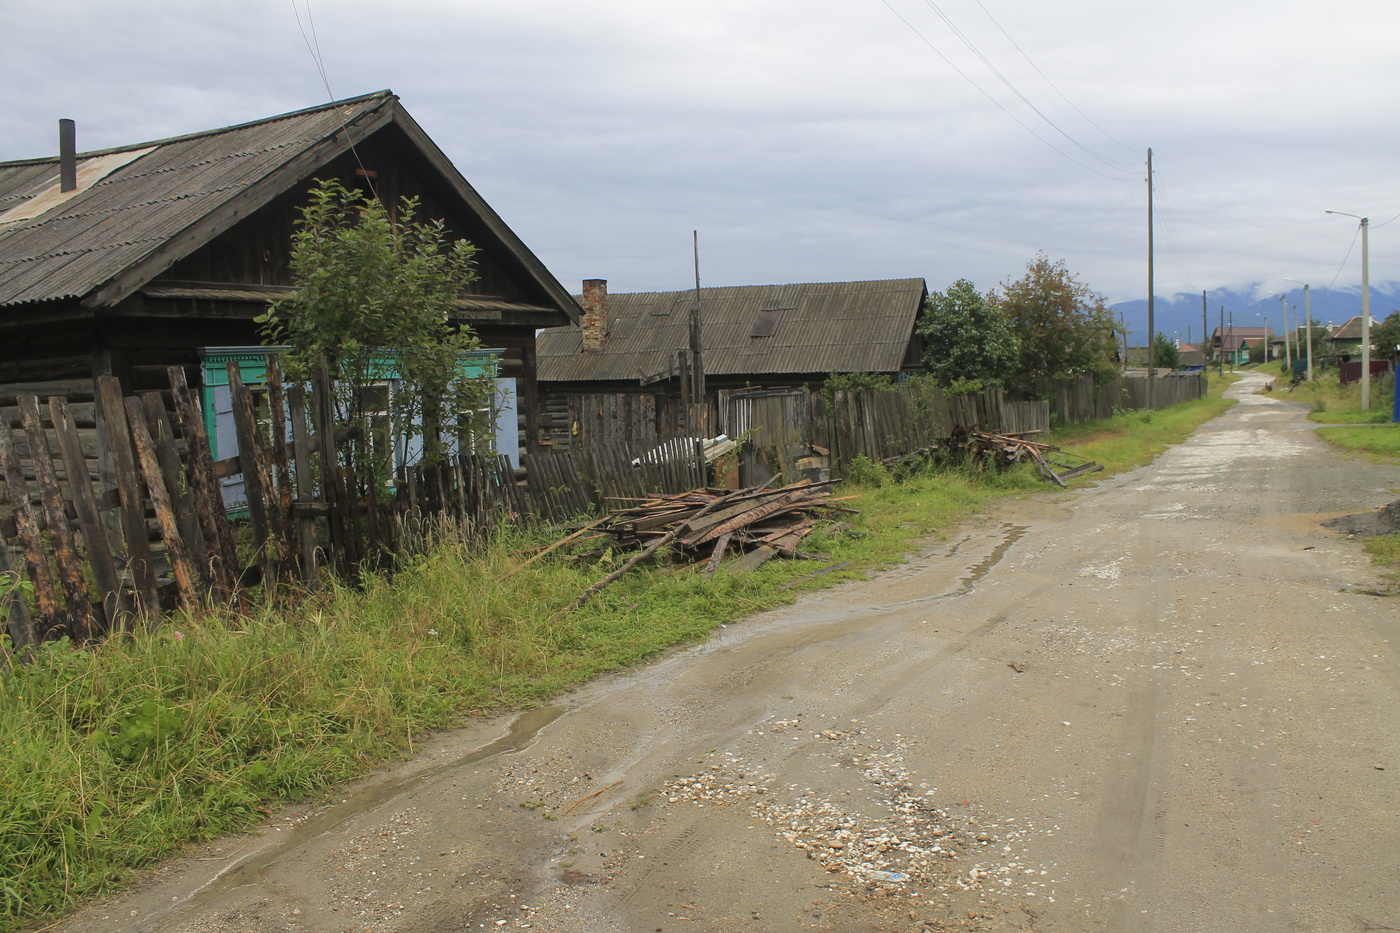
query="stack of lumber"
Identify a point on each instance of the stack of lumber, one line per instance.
(1006, 449)
(704, 525)
(1000, 450)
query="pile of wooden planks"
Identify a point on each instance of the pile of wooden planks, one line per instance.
(999, 450)
(704, 525)
(1006, 449)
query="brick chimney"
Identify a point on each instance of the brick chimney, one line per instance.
(595, 313)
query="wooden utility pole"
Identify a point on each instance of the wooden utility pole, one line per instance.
(697, 341)
(1222, 340)
(1205, 327)
(1151, 307)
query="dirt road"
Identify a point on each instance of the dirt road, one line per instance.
(1162, 704)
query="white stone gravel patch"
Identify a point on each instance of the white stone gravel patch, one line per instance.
(912, 843)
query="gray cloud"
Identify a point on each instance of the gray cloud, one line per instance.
(805, 139)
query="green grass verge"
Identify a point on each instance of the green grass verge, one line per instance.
(117, 755)
(1380, 440)
(1385, 553)
(1333, 403)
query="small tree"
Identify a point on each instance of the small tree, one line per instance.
(374, 299)
(1064, 329)
(968, 342)
(1385, 336)
(1165, 353)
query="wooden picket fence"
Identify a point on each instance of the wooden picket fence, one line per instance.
(148, 531)
(109, 548)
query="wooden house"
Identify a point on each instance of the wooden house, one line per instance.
(630, 368)
(128, 260)
(1234, 344)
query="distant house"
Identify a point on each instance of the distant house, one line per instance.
(161, 249)
(1234, 344)
(1192, 356)
(1345, 339)
(628, 358)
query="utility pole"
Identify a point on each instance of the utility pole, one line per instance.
(1151, 319)
(1221, 358)
(1365, 306)
(1205, 325)
(1287, 355)
(1307, 311)
(1365, 314)
(697, 343)
(1232, 334)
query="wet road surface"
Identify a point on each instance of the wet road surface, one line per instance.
(1162, 704)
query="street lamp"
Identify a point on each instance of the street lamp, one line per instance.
(1307, 311)
(1365, 307)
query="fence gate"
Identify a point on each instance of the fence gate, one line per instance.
(777, 417)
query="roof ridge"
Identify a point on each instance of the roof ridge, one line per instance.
(691, 290)
(385, 94)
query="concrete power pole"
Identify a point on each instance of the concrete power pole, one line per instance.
(1151, 320)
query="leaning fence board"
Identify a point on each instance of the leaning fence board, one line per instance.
(20, 625)
(27, 530)
(260, 499)
(222, 558)
(187, 578)
(65, 550)
(115, 606)
(172, 472)
(139, 560)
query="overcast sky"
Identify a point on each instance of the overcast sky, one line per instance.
(806, 140)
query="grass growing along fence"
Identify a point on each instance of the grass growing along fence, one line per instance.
(118, 754)
(1334, 403)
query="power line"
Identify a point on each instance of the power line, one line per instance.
(319, 60)
(1176, 246)
(1014, 90)
(997, 103)
(1052, 84)
(1345, 258)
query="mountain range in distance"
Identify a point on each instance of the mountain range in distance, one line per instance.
(1179, 316)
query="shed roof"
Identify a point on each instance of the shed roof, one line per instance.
(746, 330)
(140, 208)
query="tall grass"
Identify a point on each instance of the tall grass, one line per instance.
(116, 755)
(1334, 403)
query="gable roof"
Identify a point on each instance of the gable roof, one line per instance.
(1351, 329)
(810, 328)
(140, 208)
(1235, 338)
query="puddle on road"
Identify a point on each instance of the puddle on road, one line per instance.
(979, 570)
(972, 575)
(523, 729)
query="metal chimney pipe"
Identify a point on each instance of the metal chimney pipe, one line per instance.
(67, 156)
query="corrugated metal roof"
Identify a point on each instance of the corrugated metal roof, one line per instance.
(132, 220)
(823, 327)
(83, 242)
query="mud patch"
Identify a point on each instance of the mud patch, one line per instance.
(1382, 521)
